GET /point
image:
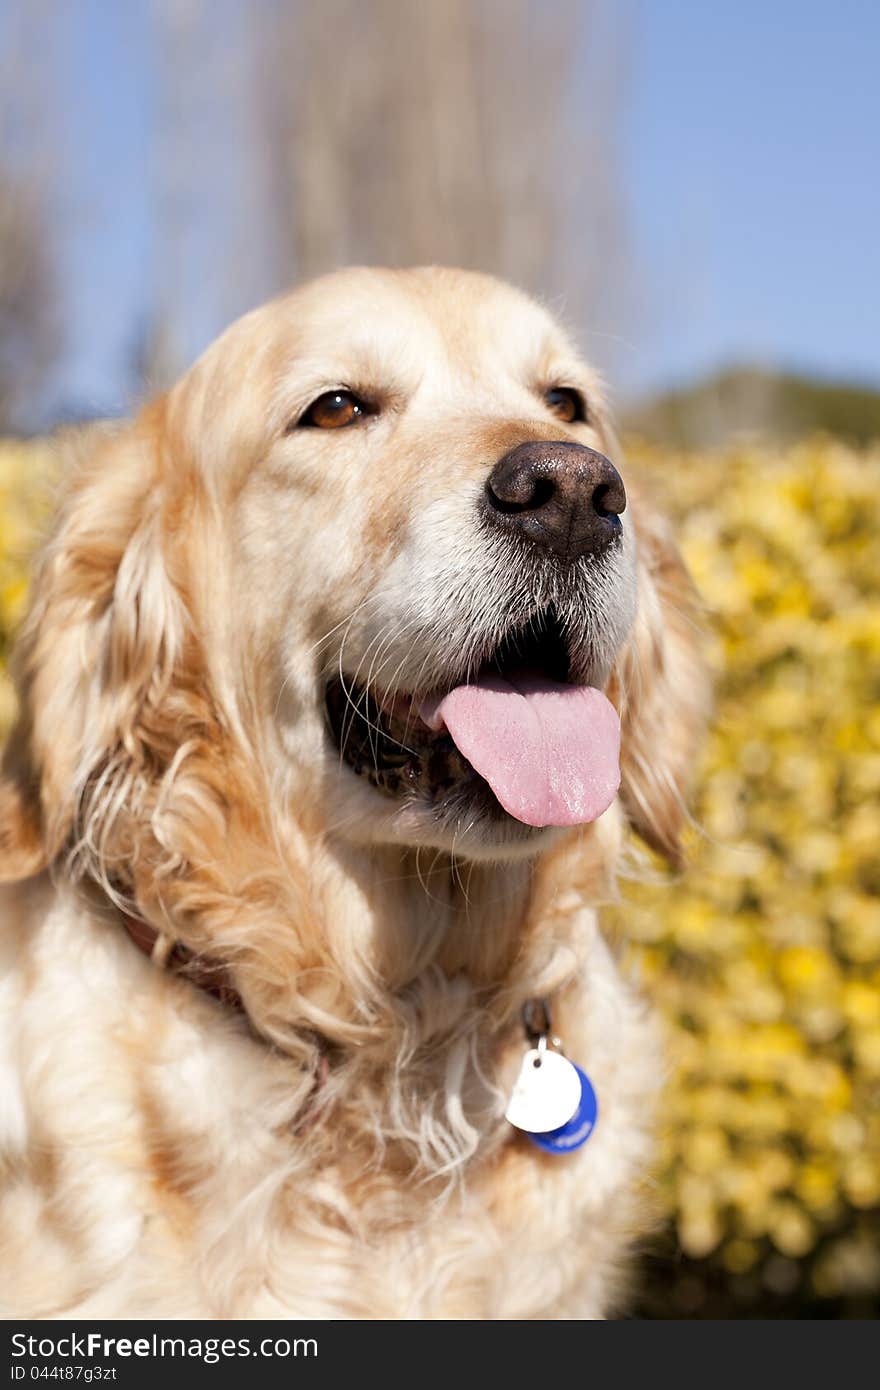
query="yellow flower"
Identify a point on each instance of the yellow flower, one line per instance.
(765, 956)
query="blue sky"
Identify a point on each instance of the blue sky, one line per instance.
(749, 166)
(753, 169)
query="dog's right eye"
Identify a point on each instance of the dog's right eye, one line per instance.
(334, 411)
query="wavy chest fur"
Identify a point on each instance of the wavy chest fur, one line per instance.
(157, 1163)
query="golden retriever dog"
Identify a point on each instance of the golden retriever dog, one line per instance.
(348, 663)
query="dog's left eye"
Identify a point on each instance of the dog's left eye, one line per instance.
(567, 403)
(334, 410)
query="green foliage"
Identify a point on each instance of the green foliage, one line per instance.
(747, 401)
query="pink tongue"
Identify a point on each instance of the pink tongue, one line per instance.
(548, 751)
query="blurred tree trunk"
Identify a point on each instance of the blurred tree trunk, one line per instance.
(29, 313)
(28, 319)
(472, 132)
(184, 154)
(295, 136)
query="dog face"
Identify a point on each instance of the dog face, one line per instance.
(375, 541)
(428, 509)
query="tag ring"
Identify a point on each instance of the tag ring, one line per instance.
(536, 1020)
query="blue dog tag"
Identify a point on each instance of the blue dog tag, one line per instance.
(576, 1131)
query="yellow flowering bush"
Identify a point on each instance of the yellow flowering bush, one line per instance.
(765, 956)
(25, 473)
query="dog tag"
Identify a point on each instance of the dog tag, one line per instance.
(547, 1092)
(576, 1131)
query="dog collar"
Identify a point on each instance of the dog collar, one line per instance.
(215, 980)
(553, 1101)
(170, 955)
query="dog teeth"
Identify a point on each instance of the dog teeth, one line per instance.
(376, 745)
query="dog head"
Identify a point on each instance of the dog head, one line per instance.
(369, 570)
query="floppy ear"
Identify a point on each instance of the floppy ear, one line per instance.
(661, 688)
(103, 631)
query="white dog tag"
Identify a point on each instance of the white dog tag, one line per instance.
(547, 1092)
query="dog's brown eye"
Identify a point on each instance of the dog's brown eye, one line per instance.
(334, 410)
(567, 403)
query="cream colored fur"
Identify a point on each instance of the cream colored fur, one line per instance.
(341, 1151)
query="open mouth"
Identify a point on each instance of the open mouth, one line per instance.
(545, 747)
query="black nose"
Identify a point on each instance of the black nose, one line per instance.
(559, 495)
